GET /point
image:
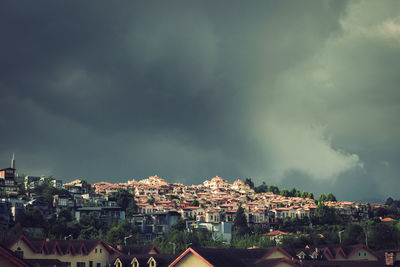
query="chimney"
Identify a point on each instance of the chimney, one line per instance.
(389, 258)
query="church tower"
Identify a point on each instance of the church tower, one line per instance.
(13, 161)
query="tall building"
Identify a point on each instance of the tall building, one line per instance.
(8, 185)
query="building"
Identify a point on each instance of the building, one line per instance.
(155, 224)
(105, 214)
(71, 253)
(9, 259)
(324, 256)
(78, 186)
(7, 181)
(216, 257)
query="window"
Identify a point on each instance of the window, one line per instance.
(359, 254)
(98, 264)
(135, 263)
(101, 250)
(68, 263)
(95, 250)
(151, 262)
(301, 255)
(90, 263)
(365, 254)
(80, 264)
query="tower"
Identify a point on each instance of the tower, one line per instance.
(13, 161)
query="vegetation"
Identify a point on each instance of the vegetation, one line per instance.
(327, 227)
(181, 239)
(240, 227)
(263, 188)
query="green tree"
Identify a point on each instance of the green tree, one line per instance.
(33, 218)
(132, 208)
(294, 192)
(321, 198)
(16, 229)
(180, 225)
(240, 227)
(389, 201)
(327, 215)
(382, 235)
(353, 234)
(195, 203)
(119, 233)
(285, 193)
(263, 188)
(330, 197)
(249, 182)
(274, 189)
(91, 227)
(65, 215)
(151, 201)
(122, 197)
(307, 195)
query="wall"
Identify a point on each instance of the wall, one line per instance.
(103, 258)
(191, 260)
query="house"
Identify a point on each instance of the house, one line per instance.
(216, 182)
(63, 202)
(355, 253)
(139, 250)
(277, 236)
(7, 181)
(80, 253)
(16, 207)
(78, 187)
(155, 224)
(105, 214)
(318, 256)
(31, 182)
(241, 186)
(216, 257)
(145, 208)
(283, 212)
(10, 259)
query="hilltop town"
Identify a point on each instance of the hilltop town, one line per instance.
(174, 216)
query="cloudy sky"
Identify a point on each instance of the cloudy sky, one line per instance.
(302, 93)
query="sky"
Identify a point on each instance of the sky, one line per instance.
(300, 94)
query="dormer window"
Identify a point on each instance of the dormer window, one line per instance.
(301, 255)
(152, 262)
(118, 263)
(135, 263)
(314, 255)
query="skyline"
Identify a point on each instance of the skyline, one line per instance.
(300, 95)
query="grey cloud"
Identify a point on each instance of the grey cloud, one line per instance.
(189, 90)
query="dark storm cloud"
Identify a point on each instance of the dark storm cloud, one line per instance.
(190, 90)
